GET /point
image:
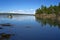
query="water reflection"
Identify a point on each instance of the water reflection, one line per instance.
(51, 22)
(27, 28)
(10, 16)
(5, 33)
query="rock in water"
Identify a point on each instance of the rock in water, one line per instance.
(8, 24)
(0, 28)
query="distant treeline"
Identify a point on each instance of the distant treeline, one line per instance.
(49, 10)
(15, 14)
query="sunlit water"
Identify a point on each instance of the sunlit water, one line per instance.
(28, 28)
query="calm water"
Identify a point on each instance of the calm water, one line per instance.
(29, 28)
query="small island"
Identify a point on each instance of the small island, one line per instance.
(51, 12)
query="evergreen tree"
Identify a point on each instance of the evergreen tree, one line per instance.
(50, 10)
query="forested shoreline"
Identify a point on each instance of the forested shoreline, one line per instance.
(48, 12)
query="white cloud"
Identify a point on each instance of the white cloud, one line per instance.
(11, 12)
(30, 11)
(16, 11)
(20, 10)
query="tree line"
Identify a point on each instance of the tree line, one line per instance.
(49, 10)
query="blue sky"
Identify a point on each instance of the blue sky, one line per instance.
(24, 6)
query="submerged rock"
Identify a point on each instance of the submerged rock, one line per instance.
(28, 27)
(0, 28)
(7, 24)
(4, 35)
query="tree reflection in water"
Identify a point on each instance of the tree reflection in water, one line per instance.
(51, 22)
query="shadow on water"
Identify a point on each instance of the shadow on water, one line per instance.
(51, 22)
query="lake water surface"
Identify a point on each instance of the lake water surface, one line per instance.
(29, 28)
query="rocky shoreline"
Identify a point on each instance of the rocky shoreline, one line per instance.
(48, 16)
